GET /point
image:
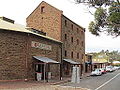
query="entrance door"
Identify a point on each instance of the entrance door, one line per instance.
(39, 68)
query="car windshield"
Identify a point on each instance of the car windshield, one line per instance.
(97, 69)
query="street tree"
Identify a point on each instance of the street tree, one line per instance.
(96, 3)
(106, 21)
(106, 16)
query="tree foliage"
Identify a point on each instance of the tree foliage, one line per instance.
(106, 16)
(112, 56)
(95, 3)
(106, 20)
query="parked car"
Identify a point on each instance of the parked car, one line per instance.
(116, 67)
(103, 70)
(109, 68)
(96, 72)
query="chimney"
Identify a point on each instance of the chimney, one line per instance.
(7, 19)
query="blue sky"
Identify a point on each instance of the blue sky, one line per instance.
(18, 10)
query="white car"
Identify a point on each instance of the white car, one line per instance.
(96, 72)
(103, 70)
(116, 67)
(109, 68)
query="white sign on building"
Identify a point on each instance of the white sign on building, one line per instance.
(41, 45)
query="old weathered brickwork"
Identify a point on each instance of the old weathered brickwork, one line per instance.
(16, 55)
(54, 54)
(12, 55)
(49, 20)
(76, 46)
(52, 21)
(57, 25)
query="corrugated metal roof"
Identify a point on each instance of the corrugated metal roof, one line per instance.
(71, 61)
(19, 28)
(12, 27)
(45, 59)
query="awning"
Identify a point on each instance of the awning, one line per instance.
(45, 59)
(97, 62)
(71, 61)
(88, 62)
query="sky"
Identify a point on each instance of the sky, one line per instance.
(18, 10)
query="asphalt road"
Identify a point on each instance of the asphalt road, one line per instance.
(109, 81)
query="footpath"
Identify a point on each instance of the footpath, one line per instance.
(36, 85)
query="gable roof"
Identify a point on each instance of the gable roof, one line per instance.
(43, 2)
(74, 23)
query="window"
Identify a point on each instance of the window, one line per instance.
(82, 43)
(72, 39)
(71, 54)
(65, 53)
(77, 42)
(42, 9)
(82, 56)
(72, 26)
(77, 30)
(81, 32)
(65, 22)
(65, 36)
(77, 55)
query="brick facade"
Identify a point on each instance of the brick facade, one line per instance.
(49, 20)
(16, 55)
(12, 55)
(70, 31)
(60, 27)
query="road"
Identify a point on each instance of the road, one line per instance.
(109, 81)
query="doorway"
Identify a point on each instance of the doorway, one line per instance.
(39, 68)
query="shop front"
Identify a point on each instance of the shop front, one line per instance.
(88, 67)
(68, 65)
(43, 68)
(25, 54)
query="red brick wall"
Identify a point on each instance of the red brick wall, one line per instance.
(49, 21)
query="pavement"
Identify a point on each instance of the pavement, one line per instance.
(36, 85)
(85, 75)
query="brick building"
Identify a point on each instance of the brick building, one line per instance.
(23, 53)
(52, 21)
(88, 63)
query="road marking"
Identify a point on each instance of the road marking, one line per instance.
(107, 82)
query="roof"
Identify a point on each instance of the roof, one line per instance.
(20, 28)
(71, 61)
(74, 23)
(45, 59)
(43, 2)
(12, 27)
(116, 62)
(97, 62)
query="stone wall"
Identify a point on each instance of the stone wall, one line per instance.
(78, 34)
(48, 21)
(52, 21)
(54, 54)
(12, 55)
(16, 55)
